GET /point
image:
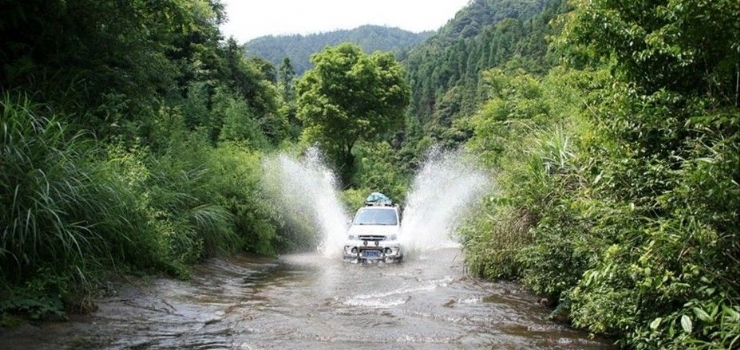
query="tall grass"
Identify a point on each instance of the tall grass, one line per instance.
(68, 202)
(47, 194)
(494, 240)
(72, 207)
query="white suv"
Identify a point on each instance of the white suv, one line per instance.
(373, 235)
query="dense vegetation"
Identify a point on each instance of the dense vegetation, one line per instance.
(618, 172)
(131, 141)
(610, 128)
(299, 48)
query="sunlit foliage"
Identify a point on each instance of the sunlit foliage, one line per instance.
(349, 97)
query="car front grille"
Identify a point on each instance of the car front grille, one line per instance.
(372, 237)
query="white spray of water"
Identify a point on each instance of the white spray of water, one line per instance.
(306, 190)
(441, 194)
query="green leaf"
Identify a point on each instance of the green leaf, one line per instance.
(733, 314)
(702, 315)
(686, 323)
(656, 322)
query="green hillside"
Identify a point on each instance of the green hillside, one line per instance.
(299, 48)
(445, 70)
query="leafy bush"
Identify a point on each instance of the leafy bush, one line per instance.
(45, 295)
(236, 175)
(238, 121)
(679, 256)
(379, 171)
(526, 230)
(638, 217)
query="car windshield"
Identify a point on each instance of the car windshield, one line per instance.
(376, 216)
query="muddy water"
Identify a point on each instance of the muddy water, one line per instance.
(313, 302)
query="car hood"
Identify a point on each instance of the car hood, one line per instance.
(386, 230)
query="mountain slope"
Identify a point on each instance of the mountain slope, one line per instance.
(444, 71)
(299, 48)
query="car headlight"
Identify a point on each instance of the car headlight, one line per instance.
(352, 237)
(390, 238)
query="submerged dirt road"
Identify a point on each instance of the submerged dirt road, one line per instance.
(313, 302)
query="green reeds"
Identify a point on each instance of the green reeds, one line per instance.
(44, 190)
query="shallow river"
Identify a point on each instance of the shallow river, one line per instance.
(313, 302)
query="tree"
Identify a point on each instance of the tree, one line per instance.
(103, 62)
(286, 75)
(350, 96)
(684, 46)
(286, 86)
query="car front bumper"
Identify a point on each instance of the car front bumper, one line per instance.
(372, 250)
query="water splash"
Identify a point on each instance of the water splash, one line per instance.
(306, 192)
(441, 194)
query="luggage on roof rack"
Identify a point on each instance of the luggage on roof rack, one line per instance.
(378, 199)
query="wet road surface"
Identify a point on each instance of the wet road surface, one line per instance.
(309, 301)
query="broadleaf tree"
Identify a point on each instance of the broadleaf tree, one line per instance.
(350, 96)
